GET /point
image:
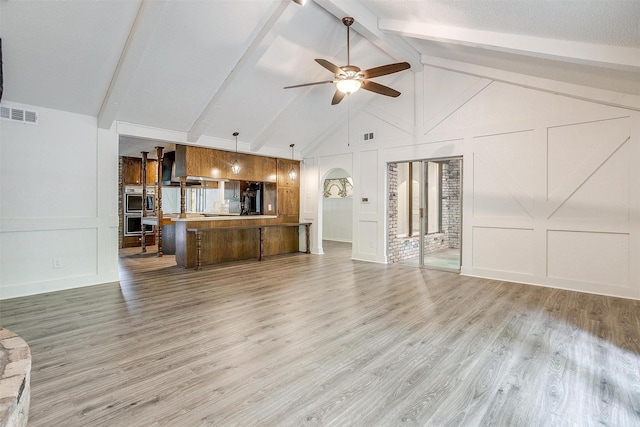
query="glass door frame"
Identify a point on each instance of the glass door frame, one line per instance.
(423, 185)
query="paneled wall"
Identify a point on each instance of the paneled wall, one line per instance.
(555, 205)
(551, 185)
(58, 210)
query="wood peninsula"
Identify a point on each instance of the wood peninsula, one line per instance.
(252, 214)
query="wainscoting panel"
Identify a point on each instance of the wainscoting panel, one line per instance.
(495, 192)
(503, 249)
(595, 184)
(368, 239)
(48, 260)
(601, 258)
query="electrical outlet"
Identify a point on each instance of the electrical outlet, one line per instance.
(56, 263)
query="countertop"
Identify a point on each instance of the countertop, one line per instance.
(223, 217)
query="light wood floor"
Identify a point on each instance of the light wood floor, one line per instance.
(322, 340)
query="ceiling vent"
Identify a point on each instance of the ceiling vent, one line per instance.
(19, 115)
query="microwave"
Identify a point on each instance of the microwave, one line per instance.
(133, 203)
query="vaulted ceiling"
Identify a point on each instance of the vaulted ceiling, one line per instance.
(209, 68)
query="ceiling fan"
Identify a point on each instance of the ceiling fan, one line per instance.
(350, 78)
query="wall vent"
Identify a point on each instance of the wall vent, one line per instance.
(19, 115)
(367, 136)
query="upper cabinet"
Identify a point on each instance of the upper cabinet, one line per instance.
(152, 171)
(216, 164)
(132, 171)
(284, 175)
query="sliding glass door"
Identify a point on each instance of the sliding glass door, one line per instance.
(441, 203)
(425, 221)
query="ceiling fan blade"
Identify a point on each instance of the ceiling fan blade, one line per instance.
(337, 97)
(308, 84)
(329, 66)
(385, 69)
(378, 88)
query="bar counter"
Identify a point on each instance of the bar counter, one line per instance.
(231, 238)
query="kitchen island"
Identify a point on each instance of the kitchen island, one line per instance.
(231, 238)
(168, 233)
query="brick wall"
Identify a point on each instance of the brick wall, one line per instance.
(120, 206)
(451, 203)
(395, 244)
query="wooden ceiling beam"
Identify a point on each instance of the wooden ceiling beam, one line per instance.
(203, 121)
(142, 29)
(614, 57)
(366, 24)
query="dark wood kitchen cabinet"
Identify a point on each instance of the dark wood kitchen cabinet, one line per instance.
(216, 164)
(152, 171)
(288, 191)
(288, 204)
(132, 171)
(284, 169)
(135, 241)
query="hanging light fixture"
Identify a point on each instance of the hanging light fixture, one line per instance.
(292, 172)
(235, 168)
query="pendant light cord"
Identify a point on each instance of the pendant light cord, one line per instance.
(348, 121)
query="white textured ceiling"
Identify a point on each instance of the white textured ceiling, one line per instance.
(214, 67)
(607, 22)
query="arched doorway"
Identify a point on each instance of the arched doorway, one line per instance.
(337, 208)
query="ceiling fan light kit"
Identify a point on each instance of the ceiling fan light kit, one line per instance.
(349, 78)
(350, 82)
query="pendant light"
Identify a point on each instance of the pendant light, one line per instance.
(235, 168)
(292, 172)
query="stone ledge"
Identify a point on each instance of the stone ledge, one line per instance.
(15, 374)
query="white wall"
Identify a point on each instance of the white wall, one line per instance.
(551, 193)
(551, 190)
(551, 182)
(58, 200)
(336, 222)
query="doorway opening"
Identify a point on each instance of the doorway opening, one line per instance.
(425, 213)
(337, 209)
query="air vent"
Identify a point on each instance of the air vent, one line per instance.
(19, 115)
(31, 117)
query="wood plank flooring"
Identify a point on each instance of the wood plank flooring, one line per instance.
(322, 340)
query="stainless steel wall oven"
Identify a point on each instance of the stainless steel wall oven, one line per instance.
(133, 226)
(133, 210)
